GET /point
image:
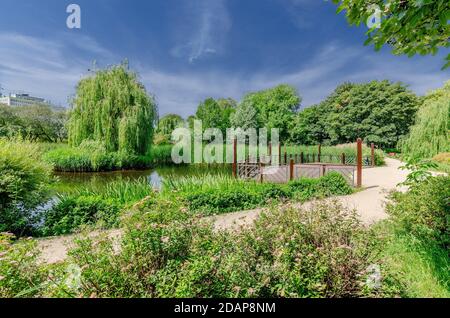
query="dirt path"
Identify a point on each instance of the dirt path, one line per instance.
(368, 203)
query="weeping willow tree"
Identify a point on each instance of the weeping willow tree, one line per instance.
(430, 136)
(169, 123)
(114, 108)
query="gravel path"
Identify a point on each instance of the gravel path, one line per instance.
(369, 204)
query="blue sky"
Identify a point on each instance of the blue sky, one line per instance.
(187, 50)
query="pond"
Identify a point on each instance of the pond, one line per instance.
(69, 181)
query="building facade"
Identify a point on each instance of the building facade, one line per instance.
(21, 100)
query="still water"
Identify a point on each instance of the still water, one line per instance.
(69, 181)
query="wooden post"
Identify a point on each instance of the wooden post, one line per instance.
(270, 153)
(291, 170)
(359, 163)
(302, 158)
(261, 178)
(372, 154)
(285, 157)
(279, 154)
(235, 158)
(343, 158)
(320, 153)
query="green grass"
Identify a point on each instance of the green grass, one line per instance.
(124, 192)
(423, 269)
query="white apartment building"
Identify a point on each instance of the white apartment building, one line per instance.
(21, 100)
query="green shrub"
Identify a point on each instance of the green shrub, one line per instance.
(24, 181)
(229, 195)
(20, 275)
(320, 252)
(303, 189)
(92, 156)
(161, 154)
(71, 213)
(424, 210)
(333, 183)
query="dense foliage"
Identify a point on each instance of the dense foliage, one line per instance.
(224, 194)
(410, 27)
(425, 210)
(35, 123)
(271, 108)
(417, 238)
(72, 213)
(24, 183)
(166, 125)
(92, 156)
(320, 252)
(430, 134)
(112, 107)
(379, 111)
(216, 113)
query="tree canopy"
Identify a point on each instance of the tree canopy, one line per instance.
(35, 122)
(216, 113)
(168, 123)
(271, 108)
(409, 26)
(430, 134)
(380, 112)
(113, 107)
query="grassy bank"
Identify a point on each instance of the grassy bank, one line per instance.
(92, 157)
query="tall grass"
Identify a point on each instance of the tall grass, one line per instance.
(122, 191)
(201, 182)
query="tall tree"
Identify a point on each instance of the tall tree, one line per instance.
(216, 113)
(275, 107)
(409, 26)
(430, 134)
(168, 123)
(113, 107)
(245, 116)
(380, 112)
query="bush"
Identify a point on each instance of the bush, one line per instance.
(161, 154)
(20, 275)
(71, 213)
(321, 252)
(229, 195)
(92, 156)
(424, 211)
(333, 183)
(23, 186)
(303, 189)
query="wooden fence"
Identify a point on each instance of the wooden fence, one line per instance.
(293, 166)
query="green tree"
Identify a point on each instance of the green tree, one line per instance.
(430, 134)
(216, 113)
(409, 26)
(275, 107)
(34, 122)
(309, 127)
(113, 107)
(245, 116)
(24, 180)
(379, 111)
(169, 123)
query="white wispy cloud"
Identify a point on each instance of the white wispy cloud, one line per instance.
(44, 68)
(204, 32)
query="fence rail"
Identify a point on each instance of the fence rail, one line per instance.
(281, 167)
